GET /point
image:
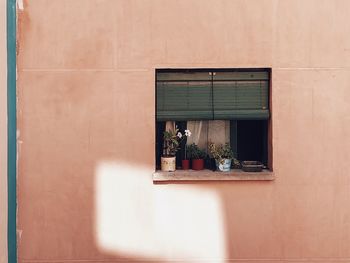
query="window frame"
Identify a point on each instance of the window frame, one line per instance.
(269, 100)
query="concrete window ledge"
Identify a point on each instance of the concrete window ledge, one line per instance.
(208, 175)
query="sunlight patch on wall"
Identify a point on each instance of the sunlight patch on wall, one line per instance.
(138, 219)
(20, 5)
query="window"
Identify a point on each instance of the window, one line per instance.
(232, 104)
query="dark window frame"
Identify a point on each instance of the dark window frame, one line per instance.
(268, 131)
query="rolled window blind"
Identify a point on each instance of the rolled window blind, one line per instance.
(184, 101)
(203, 96)
(240, 95)
(184, 96)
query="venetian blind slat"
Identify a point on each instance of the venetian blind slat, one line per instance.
(185, 100)
(241, 100)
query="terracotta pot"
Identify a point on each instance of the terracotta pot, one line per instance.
(198, 164)
(185, 164)
(168, 164)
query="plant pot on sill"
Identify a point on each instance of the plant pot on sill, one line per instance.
(252, 166)
(185, 164)
(224, 165)
(197, 164)
(168, 163)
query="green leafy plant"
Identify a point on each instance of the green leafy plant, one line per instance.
(194, 152)
(221, 152)
(236, 164)
(172, 140)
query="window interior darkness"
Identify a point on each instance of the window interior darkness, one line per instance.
(252, 140)
(240, 96)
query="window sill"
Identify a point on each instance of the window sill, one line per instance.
(208, 175)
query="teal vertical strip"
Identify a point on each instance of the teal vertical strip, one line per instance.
(11, 130)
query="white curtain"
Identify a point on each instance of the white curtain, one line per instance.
(217, 131)
(170, 126)
(199, 130)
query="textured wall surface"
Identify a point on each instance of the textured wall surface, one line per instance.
(86, 116)
(3, 135)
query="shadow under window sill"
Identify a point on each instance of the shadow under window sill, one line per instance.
(209, 175)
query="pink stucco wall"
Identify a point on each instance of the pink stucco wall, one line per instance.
(86, 98)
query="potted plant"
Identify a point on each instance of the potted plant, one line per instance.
(223, 156)
(171, 145)
(185, 163)
(197, 156)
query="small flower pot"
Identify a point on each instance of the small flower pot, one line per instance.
(224, 165)
(168, 164)
(185, 164)
(198, 164)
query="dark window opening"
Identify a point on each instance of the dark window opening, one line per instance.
(252, 141)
